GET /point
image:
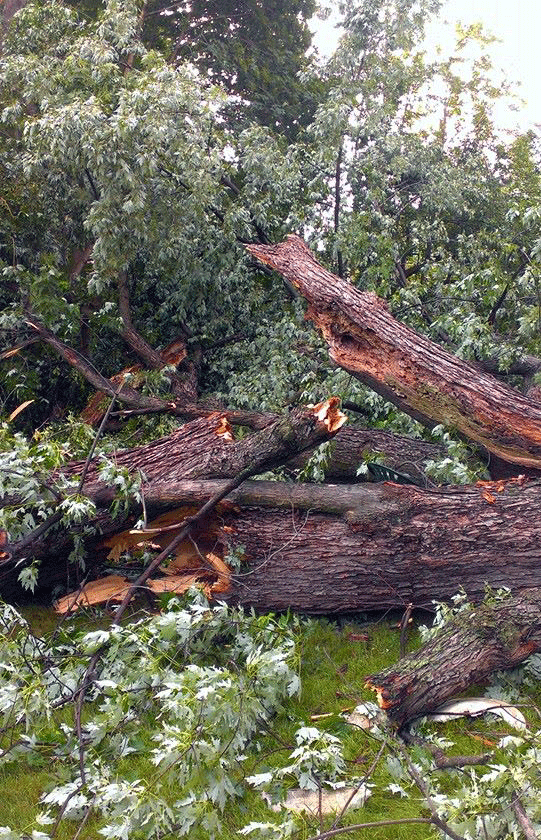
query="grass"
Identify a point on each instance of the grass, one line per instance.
(335, 659)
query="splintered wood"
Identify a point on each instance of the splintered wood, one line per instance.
(194, 562)
(96, 407)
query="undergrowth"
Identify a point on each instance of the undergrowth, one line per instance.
(197, 721)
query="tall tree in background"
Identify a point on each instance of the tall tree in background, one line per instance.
(130, 189)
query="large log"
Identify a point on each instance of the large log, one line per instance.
(333, 549)
(384, 546)
(494, 636)
(203, 447)
(406, 368)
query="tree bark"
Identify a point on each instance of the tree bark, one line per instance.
(415, 374)
(203, 447)
(374, 547)
(465, 652)
(323, 549)
(353, 444)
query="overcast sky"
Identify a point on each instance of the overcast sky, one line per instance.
(517, 23)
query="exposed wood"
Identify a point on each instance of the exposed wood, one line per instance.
(465, 652)
(201, 448)
(293, 432)
(415, 374)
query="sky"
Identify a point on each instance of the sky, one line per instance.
(517, 23)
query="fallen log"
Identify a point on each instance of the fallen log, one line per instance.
(491, 637)
(407, 369)
(323, 549)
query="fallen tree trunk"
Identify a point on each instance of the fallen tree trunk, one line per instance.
(479, 641)
(415, 374)
(384, 546)
(333, 549)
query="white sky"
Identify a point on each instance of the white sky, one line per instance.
(517, 23)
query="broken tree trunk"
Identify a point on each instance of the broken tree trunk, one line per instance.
(324, 549)
(415, 374)
(479, 641)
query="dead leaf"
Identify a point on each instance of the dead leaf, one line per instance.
(18, 410)
(358, 637)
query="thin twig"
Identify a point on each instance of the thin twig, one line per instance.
(404, 625)
(97, 437)
(63, 808)
(85, 818)
(359, 785)
(58, 514)
(423, 787)
(348, 828)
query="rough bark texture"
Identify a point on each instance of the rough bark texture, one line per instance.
(464, 652)
(332, 549)
(203, 447)
(353, 444)
(391, 546)
(418, 376)
(206, 448)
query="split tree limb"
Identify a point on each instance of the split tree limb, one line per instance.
(415, 374)
(203, 447)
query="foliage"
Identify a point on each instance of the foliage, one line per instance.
(110, 145)
(157, 147)
(192, 709)
(205, 683)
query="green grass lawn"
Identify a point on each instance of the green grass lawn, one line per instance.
(335, 659)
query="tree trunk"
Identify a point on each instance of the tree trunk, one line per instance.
(415, 374)
(465, 652)
(373, 547)
(334, 549)
(204, 447)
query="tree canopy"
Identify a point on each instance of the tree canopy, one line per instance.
(187, 190)
(141, 147)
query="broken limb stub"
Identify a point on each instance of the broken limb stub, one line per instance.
(477, 642)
